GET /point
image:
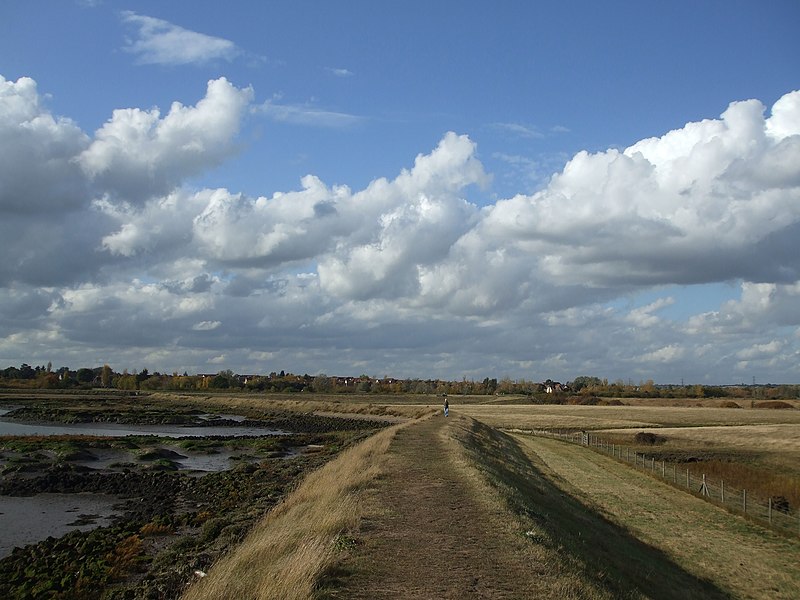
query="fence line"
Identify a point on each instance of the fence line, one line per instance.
(773, 512)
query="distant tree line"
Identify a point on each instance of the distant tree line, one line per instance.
(582, 389)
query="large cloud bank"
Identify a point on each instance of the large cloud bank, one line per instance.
(109, 252)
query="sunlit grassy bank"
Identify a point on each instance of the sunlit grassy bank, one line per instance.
(285, 554)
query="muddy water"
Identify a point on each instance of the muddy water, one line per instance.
(29, 519)
(114, 430)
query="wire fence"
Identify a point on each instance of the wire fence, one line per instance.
(774, 512)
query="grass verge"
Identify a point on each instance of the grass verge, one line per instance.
(287, 553)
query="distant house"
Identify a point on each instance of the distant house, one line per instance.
(554, 387)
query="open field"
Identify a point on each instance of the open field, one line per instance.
(756, 449)
(780, 437)
(576, 417)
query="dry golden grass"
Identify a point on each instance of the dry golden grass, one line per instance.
(547, 416)
(764, 459)
(702, 402)
(287, 552)
(766, 438)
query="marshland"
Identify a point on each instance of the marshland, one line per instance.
(345, 496)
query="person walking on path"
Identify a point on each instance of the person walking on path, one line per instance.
(446, 407)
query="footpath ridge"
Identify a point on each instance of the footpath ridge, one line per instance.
(427, 534)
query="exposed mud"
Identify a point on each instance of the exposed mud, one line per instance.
(170, 521)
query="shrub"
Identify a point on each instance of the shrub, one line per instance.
(647, 438)
(729, 404)
(781, 504)
(124, 556)
(773, 404)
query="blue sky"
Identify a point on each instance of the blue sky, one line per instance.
(420, 189)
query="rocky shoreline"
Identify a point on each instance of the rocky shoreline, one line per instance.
(171, 524)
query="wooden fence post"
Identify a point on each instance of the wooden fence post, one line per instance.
(664, 469)
(688, 485)
(744, 501)
(769, 510)
(722, 491)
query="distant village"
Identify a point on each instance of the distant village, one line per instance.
(582, 388)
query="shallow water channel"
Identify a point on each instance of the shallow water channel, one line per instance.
(118, 430)
(26, 520)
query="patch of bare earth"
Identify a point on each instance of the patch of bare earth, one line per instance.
(430, 532)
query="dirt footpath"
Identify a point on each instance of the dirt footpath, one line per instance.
(429, 532)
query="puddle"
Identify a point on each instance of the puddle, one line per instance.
(26, 520)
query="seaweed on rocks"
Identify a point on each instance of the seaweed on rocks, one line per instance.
(171, 523)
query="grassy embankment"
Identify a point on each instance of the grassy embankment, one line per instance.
(601, 556)
(583, 545)
(739, 557)
(286, 554)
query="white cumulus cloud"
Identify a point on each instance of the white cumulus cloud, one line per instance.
(37, 170)
(138, 154)
(409, 270)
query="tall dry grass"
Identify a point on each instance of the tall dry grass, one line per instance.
(288, 551)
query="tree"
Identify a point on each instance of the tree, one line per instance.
(84, 375)
(50, 381)
(220, 382)
(322, 383)
(585, 381)
(105, 376)
(125, 382)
